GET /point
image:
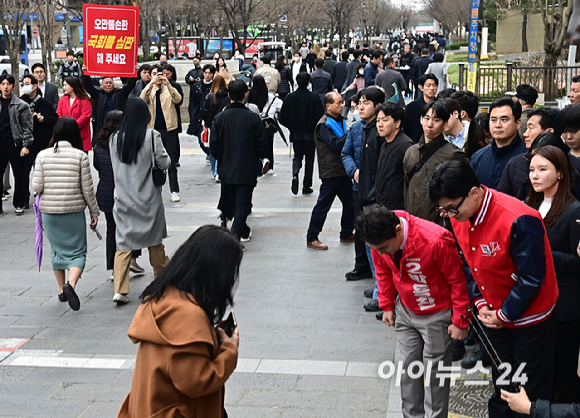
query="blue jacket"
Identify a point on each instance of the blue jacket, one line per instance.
(350, 154)
(490, 162)
(371, 71)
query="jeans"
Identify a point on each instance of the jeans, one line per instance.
(329, 190)
(304, 149)
(370, 257)
(171, 143)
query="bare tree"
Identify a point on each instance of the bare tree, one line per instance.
(15, 11)
(556, 17)
(449, 12)
(339, 13)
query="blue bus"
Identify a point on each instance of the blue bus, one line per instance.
(23, 46)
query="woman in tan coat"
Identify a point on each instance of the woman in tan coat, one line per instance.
(184, 356)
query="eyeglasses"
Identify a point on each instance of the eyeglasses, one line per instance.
(453, 211)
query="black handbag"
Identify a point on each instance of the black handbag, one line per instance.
(270, 124)
(159, 175)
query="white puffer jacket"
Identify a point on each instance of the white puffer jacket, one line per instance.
(63, 176)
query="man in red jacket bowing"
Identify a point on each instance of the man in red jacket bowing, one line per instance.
(513, 281)
(418, 260)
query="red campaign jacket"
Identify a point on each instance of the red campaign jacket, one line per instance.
(431, 278)
(508, 252)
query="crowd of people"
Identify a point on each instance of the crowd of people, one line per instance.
(447, 206)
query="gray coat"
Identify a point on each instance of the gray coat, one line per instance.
(21, 124)
(138, 209)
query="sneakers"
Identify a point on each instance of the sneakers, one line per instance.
(307, 190)
(120, 299)
(270, 173)
(246, 239)
(136, 268)
(217, 178)
(5, 195)
(207, 160)
(19, 211)
(175, 197)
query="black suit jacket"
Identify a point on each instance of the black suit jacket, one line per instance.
(51, 94)
(300, 113)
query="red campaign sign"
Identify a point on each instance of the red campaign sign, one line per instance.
(111, 35)
(252, 47)
(184, 45)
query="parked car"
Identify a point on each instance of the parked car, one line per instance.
(5, 67)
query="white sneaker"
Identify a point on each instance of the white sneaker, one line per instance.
(270, 173)
(217, 179)
(207, 160)
(175, 197)
(247, 239)
(112, 278)
(120, 298)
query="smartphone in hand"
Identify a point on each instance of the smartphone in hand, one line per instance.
(230, 325)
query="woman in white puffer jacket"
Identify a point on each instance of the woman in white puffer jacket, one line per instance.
(62, 175)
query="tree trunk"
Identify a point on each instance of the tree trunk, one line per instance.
(525, 30)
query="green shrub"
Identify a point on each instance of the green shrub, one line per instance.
(455, 45)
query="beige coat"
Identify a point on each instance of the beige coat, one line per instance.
(169, 98)
(63, 176)
(180, 369)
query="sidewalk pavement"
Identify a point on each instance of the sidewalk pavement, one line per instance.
(307, 348)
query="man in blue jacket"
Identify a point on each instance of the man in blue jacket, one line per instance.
(372, 68)
(504, 122)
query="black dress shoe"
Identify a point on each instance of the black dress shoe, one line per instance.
(354, 275)
(369, 293)
(372, 306)
(470, 339)
(294, 187)
(458, 350)
(307, 190)
(481, 355)
(379, 316)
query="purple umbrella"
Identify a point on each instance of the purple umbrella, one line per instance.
(39, 231)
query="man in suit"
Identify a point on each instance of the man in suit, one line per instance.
(49, 91)
(418, 67)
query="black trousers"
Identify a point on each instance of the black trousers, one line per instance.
(361, 261)
(111, 242)
(532, 345)
(171, 143)
(270, 151)
(329, 190)
(304, 149)
(567, 345)
(240, 199)
(11, 153)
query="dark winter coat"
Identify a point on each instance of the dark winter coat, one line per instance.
(106, 186)
(369, 159)
(328, 150)
(300, 113)
(390, 178)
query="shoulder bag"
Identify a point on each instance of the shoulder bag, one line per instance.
(159, 175)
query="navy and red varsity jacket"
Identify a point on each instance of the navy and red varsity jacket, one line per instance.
(508, 252)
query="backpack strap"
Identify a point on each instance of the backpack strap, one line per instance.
(425, 158)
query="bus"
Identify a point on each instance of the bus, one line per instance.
(23, 46)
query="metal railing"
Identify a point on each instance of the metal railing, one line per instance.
(495, 80)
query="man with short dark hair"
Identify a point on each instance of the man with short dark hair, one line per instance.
(455, 131)
(372, 68)
(44, 118)
(329, 62)
(49, 91)
(418, 67)
(303, 51)
(428, 83)
(198, 91)
(338, 73)
(171, 74)
(351, 69)
(517, 171)
(15, 140)
(422, 159)
(320, 79)
(143, 79)
(270, 74)
(390, 76)
(504, 122)
(300, 113)
(70, 67)
(106, 98)
(330, 136)
(527, 96)
(238, 141)
(194, 76)
(469, 103)
(512, 282)
(423, 293)
(405, 60)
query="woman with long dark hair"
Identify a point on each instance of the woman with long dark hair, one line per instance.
(62, 175)
(223, 70)
(138, 211)
(478, 136)
(77, 104)
(216, 101)
(102, 163)
(185, 357)
(269, 106)
(286, 84)
(550, 195)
